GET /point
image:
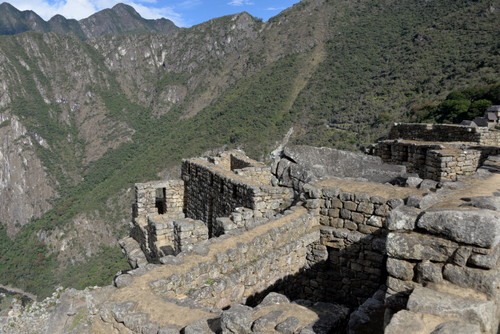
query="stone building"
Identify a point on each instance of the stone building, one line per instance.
(440, 152)
(341, 234)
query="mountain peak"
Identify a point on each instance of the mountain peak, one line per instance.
(120, 19)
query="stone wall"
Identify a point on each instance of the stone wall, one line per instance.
(439, 162)
(212, 191)
(445, 133)
(439, 248)
(157, 204)
(159, 197)
(347, 265)
(261, 258)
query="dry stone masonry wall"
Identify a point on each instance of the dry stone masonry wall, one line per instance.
(230, 235)
(445, 133)
(444, 247)
(439, 152)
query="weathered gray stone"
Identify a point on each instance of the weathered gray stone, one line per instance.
(123, 280)
(198, 327)
(461, 256)
(474, 227)
(400, 286)
(402, 218)
(486, 281)
(395, 202)
(429, 272)
(288, 326)
(347, 164)
(266, 322)
(237, 320)
(409, 322)
(136, 321)
(375, 221)
(400, 269)
(413, 181)
(428, 184)
(484, 202)
(457, 327)
(415, 246)
(486, 261)
(274, 298)
(170, 329)
(429, 200)
(424, 300)
(413, 201)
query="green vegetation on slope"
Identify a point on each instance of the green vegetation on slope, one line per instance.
(459, 105)
(382, 61)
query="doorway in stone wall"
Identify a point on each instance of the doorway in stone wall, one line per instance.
(161, 200)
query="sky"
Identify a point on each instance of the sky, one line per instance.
(184, 13)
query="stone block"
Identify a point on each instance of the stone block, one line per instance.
(413, 182)
(456, 327)
(407, 322)
(429, 272)
(428, 184)
(402, 218)
(415, 246)
(382, 210)
(473, 227)
(375, 221)
(350, 225)
(424, 300)
(488, 260)
(486, 281)
(399, 286)
(395, 202)
(461, 256)
(358, 218)
(335, 213)
(336, 203)
(288, 326)
(365, 207)
(344, 213)
(349, 205)
(400, 269)
(366, 229)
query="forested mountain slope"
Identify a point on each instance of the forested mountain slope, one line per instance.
(82, 120)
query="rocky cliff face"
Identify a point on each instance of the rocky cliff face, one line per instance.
(25, 187)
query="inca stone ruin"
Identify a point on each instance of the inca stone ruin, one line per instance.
(323, 241)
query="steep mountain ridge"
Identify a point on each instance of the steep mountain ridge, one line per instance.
(120, 19)
(120, 109)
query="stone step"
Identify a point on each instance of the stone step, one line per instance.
(450, 305)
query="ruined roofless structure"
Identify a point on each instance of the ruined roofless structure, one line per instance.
(322, 241)
(332, 231)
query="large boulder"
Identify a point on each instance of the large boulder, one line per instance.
(481, 312)
(306, 163)
(474, 227)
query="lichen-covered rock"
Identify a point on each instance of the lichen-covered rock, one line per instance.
(473, 227)
(400, 269)
(415, 246)
(237, 320)
(402, 218)
(486, 281)
(424, 300)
